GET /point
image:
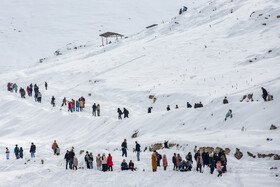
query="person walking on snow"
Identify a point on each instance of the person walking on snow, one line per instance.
(21, 152)
(228, 114)
(87, 160)
(15, 86)
(264, 95)
(90, 161)
(53, 101)
(168, 108)
(77, 105)
(125, 112)
(110, 162)
(137, 149)
(120, 114)
(16, 151)
(46, 85)
(32, 150)
(7, 153)
(54, 146)
(189, 105)
(124, 148)
(94, 107)
(39, 97)
(219, 168)
(150, 109)
(63, 101)
(154, 161)
(81, 103)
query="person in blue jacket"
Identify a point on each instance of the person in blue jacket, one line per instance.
(77, 105)
(16, 151)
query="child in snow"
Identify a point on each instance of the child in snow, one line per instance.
(7, 153)
(219, 168)
(75, 163)
(164, 162)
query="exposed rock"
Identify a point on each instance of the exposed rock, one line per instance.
(227, 151)
(264, 24)
(218, 149)
(207, 149)
(135, 134)
(278, 17)
(273, 127)
(269, 51)
(155, 147)
(154, 100)
(81, 151)
(265, 155)
(251, 155)
(276, 157)
(171, 145)
(151, 96)
(238, 155)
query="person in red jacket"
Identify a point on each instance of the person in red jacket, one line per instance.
(69, 106)
(174, 160)
(110, 162)
(164, 162)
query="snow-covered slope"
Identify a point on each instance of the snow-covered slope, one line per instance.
(216, 49)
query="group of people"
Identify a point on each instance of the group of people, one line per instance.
(96, 109)
(125, 113)
(12, 87)
(18, 151)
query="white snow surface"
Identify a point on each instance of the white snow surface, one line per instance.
(217, 48)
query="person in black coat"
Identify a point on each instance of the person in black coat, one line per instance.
(168, 108)
(53, 101)
(159, 157)
(205, 158)
(264, 94)
(87, 159)
(125, 112)
(189, 157)
(46, 85)
(174, 161)
(66, 158)
(124, 165)
(150, 109)
(94, 107)
(137, 149)
(71, 158)
(124, 148)
(32, 150)
(120, 114)
(21, 152)
(189, 105)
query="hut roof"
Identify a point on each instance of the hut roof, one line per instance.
(109, 34)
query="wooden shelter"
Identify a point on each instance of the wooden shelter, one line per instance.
(107, 35)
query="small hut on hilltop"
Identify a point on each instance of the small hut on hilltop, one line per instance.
(107, 35)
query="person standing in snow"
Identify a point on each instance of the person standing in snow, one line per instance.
(75, 163)
(199, 163)
(63, 101)
(219, 168)
(71, 158)
(125, 112)
(176, 107)
(87, 160)
(120, 114)
(104, 162)
(179, 160)
(46, 85)
(228, 114)
(159, 157)
(154, 161)
(7, 153)
(137, 149)
(39, 97)
(98, 110)
(211, 163)
(225, 101)
(174, 160)
(54, 146)
(264, 95)
(164, 162)
(124, 148)
(69, 106)
(223, 159)
(77, 106)
(205, 158)
(94, 107)
(81, 103)
(21, 152)
(16, 151)
(73, 105)
(98, 162)
(90, 161)
(150, 109)
(189, 105)
(32, 150)
(53, 101)
(110, 162)
(15, 86)
(66, 158)
(168, 108)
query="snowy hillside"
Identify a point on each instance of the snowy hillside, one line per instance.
(216, 49)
